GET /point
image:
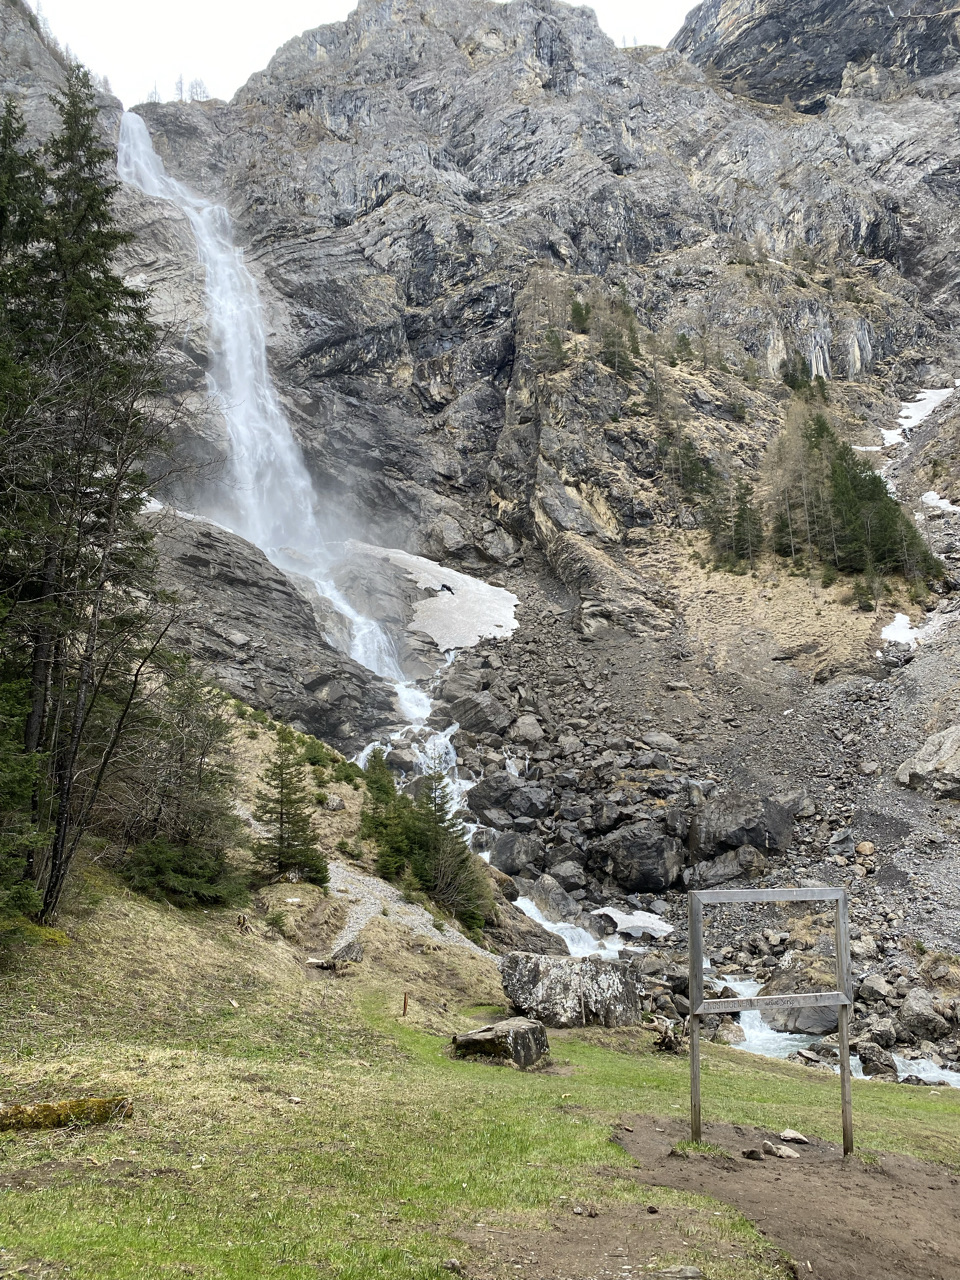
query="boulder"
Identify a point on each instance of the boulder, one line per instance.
(918, 1016)
(875, 1059)
(569, 874)
(817, 1020)
(745, 861)
(936, 766)
(661, 742)
(520, 1041)
(481, 712)
(640, 857)
(526, 730)
(874, 987)
(515, 854)
(493, 791)
(554, 901)
(574, 991)
(733, 820)
(530, 801)
(884, 1033)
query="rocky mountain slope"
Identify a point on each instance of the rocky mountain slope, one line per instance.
(802, 50)
(423, 193)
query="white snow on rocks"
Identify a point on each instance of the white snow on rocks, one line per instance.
(464, 611)
(900, 631)
(636, 923)
(933, 499)
(913, 412)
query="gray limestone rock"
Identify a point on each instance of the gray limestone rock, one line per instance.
(745, 861)
(640, 857)
(918, 1016)
(574, 991)
(732, 820)
(875, 1059)
(519, 1041)
(802, 49)
(936, 766)
(515, 854)
(256, 633)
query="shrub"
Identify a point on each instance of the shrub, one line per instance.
(182, 876)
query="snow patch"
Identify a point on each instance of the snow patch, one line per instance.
(464, 611)
(900, 631)
(913, 412)
(933, 499)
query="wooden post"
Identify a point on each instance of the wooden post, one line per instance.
(695, 996)
(404, 1014)
(844, 984)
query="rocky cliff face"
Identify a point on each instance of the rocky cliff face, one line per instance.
(800, 49)
(423, 190)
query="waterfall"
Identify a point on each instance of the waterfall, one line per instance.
(267, 495)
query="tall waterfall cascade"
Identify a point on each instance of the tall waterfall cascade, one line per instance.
(267, 495)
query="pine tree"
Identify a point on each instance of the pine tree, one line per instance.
(77, 345)
(283, 808)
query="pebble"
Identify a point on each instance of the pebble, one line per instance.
(781, 1152)
(791, 1135)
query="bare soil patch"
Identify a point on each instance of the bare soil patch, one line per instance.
(617, 1244)
(887, 1216)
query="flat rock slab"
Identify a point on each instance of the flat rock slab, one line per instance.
(848, 1220)
(522, 1041)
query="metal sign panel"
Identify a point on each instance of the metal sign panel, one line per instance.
(841, 999)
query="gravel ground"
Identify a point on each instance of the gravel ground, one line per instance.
(366, 897)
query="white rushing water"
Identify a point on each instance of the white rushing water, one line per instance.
(579, 941)
(762, 1040)
(267, 495)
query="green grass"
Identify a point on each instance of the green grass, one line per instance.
(393, 1148)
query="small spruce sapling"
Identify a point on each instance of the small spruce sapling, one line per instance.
(284, 808)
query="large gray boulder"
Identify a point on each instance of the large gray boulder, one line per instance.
(481, 712)
(745, 861)
(520, 1041)
(876, 1060)
(801, 975)
(732, 820)
(517, 854)
(554, 901)
(574, 991)
(918, 1016)
(936, 766)
(506, 792)
(640, 857)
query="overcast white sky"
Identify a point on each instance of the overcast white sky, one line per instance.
(138, 44)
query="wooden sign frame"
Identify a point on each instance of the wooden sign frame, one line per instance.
(841, 999)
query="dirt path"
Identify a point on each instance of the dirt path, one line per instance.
(897, 1219)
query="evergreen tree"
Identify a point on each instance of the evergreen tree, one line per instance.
(420, 842)
(284, 809)
(580, 314)
(79, 353)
